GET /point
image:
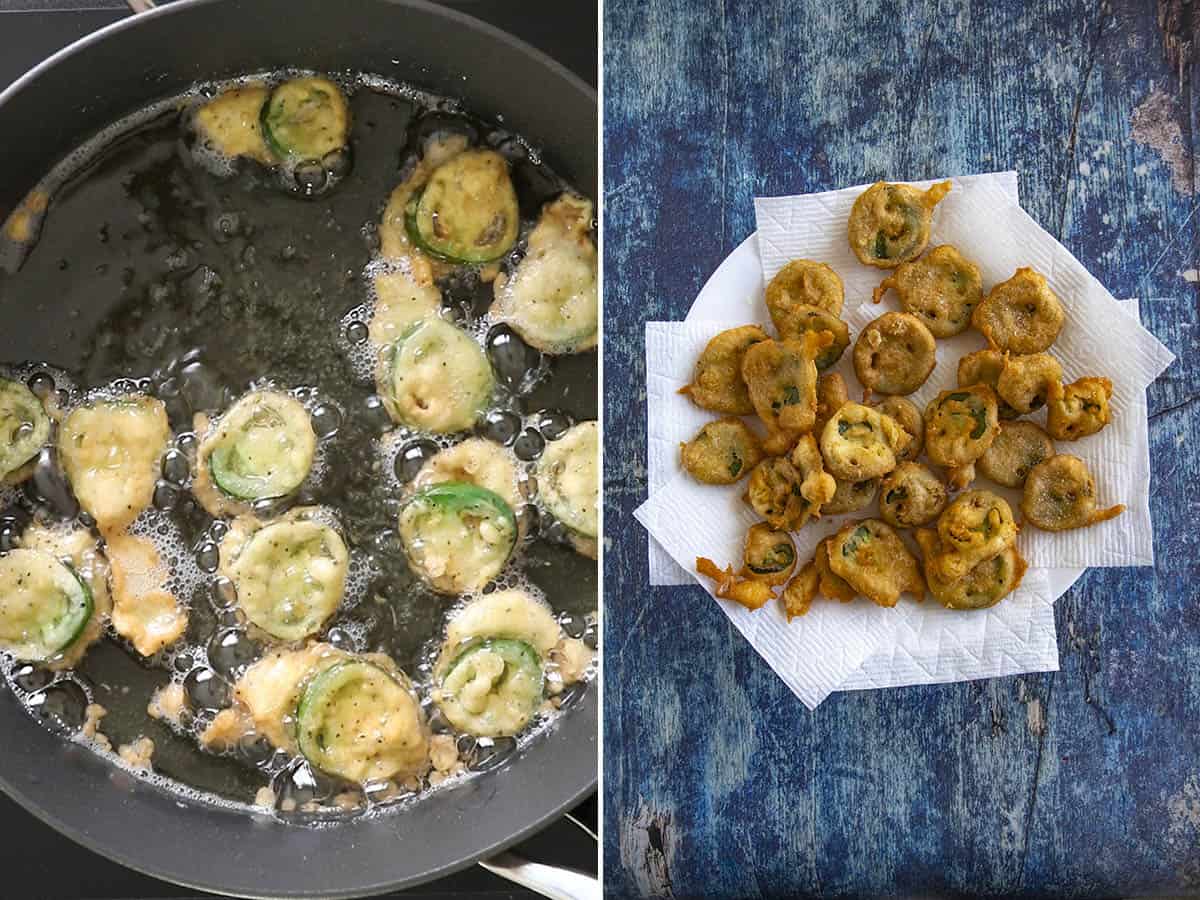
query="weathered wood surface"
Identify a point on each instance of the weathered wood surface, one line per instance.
(1077, 783)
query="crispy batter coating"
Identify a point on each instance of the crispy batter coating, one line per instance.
(908, 417)
(860, 443)
(985, 585)
(798, 320)
(722, 452)
(873, 560)
(816, 485)
(1078, 409)
(976, 526)
(911, 495)
(851, 496)
(889, 223)
(942, 289)
(831, 396)
(960, 425)
(1024, 382)
(1060, 494)
(984, 367)
(1016, 450)
(717, 384)
(798, 596)
(1021, 315)
(803, 282)
(831, 584)
(748, 592)
(769, 556)
(782, 379)
(774, 493)
(894, 354)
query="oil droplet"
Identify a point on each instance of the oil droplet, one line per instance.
(529, 445)
(412, 457)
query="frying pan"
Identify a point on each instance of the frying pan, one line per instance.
(52, 110)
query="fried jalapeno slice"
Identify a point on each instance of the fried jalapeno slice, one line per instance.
(1016, 450)
(985, 585)
(1060, 494)
(942, 289)
(894, 354)
(1078, 409)
(717, 385)
(911, 495)
(976, 526)
(984, 367)
(850, 496)
(770, 555)
(803, 282)
(782, 379)
(889, 223)
(816, 485)
(1025, 381)
(831, 396)
(859, 443)
(722, 452)
(1021, 315)
(960, 425)
(908, 417)
(799, 320)
(875, 562)
(774, 492)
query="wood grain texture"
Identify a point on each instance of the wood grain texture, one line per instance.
(1081, 782)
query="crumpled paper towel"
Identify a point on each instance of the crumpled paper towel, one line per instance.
(857, 645)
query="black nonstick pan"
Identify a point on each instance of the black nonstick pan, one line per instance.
(54, 109)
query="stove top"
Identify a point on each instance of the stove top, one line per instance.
(42, 864)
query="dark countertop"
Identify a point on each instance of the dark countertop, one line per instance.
(42, 864)
(1084, 782)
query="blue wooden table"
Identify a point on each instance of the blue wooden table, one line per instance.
(1081, 782)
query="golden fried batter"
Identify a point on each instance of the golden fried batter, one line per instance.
(894, 354)
(1021, 315)
(803, 282)
(717, 384)
(860, 443)
(960, 425)
(798, 596)
(774, 492)
(831, 396)
(942, 289)
(850, 496)
(1078, 409)
(985, 585)
(889, 223)
(770, 555)
(798, 320)
(873, 560)
(722, 452)
(1016, 450)
(1024, 382)
(984, 367)
(1060, 494)
(976, 526)
(782, 379)
(816, 485)
(911, 495)
(748, 592)
(908, 417)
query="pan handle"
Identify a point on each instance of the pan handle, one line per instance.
(550, 881)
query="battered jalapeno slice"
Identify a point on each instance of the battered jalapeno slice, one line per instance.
(1016, 450)
(831, 396)
(1021, 315)
(894, 354)
(306, 118)
(467, 212)
(1025, 381)
(568, 479)
(782, 379)
(493, 688)
(798, 320)
(457, 536)
(44, 605)
(231, 123)
(803, 282)
(437, 378)
(889, 223)
(816, 485)
(976, 526)
(24, 427)
(984, 367)
(942, 289)
(262, 448)
(908, 417)
(717, 384)
(356, 720)
(850, 496)
(985, 585)
(722, 452)
(551, 298)
(875, 562)
(860, 443)
(774, 493)
(911, 495)
(960, 425)
(770, 555)
(1078, 409)
(1060, 494)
